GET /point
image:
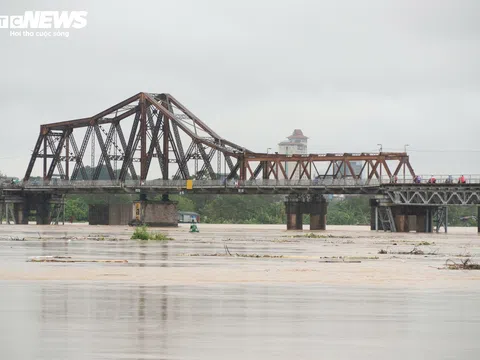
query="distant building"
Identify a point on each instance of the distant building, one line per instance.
(356, 166)
(296, 144)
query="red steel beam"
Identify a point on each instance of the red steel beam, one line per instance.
(143, 138)
(274, 163)
(88, 121)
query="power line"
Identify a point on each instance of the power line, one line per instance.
(402, 150)
(444, 151)
(10, 157)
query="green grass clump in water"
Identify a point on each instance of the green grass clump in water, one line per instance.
(159, 236)
(141, 233)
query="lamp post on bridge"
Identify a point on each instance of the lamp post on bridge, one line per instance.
(381, 148)
(265, 168)
(405, 150)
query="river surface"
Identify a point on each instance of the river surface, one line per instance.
(237, 292)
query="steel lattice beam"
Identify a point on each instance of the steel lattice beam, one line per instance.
(160, 125)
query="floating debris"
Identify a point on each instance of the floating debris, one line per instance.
(464, 255)
(425, 243)
(466, 264)
(293, 257)
(341, 261)
(236, 255)
(14, 238)
(351, 258)
(284, 241)
(414, 251)
(69, 259)
(321, 236)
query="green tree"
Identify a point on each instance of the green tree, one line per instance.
(184, 203)
(243, 210)
(462, 216)
(76, 208)
(352, 210)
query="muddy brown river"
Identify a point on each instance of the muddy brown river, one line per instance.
(237, 292)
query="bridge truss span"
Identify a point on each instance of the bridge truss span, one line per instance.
(125, 141)
(432, 195)
(361, 167)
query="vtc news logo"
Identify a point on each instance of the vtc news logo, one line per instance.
(44, 20)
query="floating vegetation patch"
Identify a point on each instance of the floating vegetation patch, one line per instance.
(141, 233)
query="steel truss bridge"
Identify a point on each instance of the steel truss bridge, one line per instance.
(162, 130)
(151, 143)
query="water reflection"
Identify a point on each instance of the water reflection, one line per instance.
(116, 321)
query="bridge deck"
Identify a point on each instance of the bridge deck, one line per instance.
(400, 193)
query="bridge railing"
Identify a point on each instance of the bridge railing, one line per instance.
(57, 183)
(439, 179)
(254, 183)
(172, 183)
(251, 183)
(181, 184)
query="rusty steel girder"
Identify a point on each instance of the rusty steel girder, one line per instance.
(158, 127)
(156, 131)
(322, 166)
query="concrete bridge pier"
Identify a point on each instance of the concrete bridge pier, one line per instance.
(478, 219)
(21, 212)
(41, 204)
(318, 214)
(294, 215)
(143, 211)
(18, 208)
(406, 218)
(297, 205)
(15, 210)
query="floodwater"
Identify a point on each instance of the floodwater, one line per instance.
(333, 297)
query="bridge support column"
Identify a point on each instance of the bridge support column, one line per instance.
(20, 211)
(294, 215)
(424, 219)
(43, 213)
(374, 215)
(421, 223)
(401, 223)
(478, 220)
(402, 218)
(318, 214)
(297, 205)
(158, 213)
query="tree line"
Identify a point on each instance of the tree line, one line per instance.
(256, 209)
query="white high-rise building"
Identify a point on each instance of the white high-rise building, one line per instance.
(296, 144)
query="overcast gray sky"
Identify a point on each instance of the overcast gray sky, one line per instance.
(351, 74)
